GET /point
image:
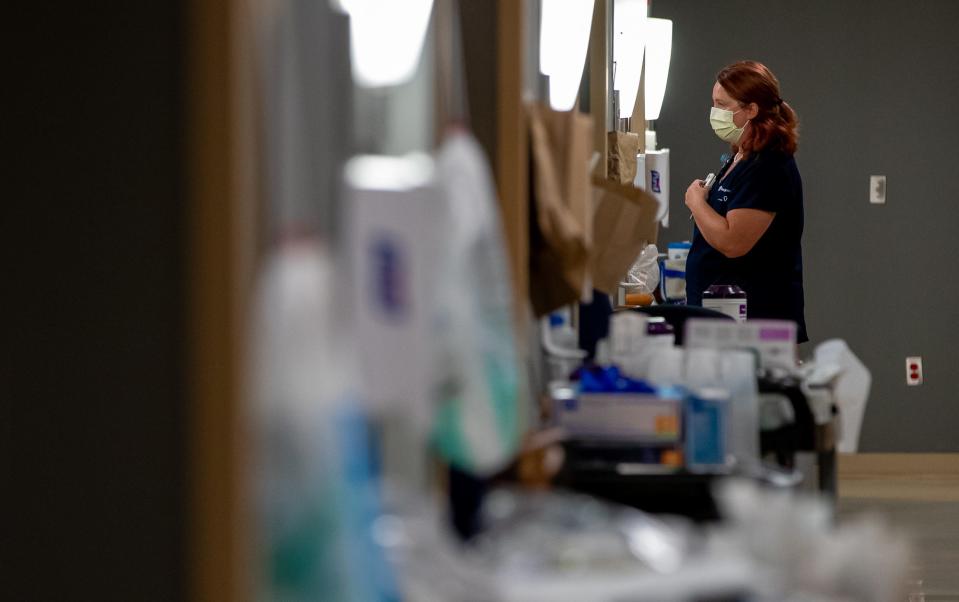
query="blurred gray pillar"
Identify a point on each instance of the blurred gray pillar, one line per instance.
(307, 94)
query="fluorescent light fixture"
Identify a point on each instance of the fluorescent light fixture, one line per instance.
(563, 39)
(659, 48)
(386, 39)
(629, 41)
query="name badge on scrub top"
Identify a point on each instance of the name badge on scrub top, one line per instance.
(725, 197)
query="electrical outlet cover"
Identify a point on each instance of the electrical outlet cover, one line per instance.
(913, 371)
(877, 190)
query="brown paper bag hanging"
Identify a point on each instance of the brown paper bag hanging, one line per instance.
(621, 162)
(623, 224)
(572, 135)
(561, 215)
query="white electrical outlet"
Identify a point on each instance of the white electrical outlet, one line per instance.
(913, 371)
(877, 190)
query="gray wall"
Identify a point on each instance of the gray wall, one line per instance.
(876, 86)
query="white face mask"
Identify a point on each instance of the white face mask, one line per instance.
(723, 125)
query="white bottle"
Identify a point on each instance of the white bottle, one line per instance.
(627, 342)
(728, 299)
(315, 494)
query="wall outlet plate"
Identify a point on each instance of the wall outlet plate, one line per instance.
(914, 371)
(877, 190)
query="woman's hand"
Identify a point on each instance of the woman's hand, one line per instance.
(696, 195)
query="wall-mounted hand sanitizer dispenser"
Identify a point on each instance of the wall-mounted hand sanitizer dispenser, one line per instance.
(652, 175)
(392, 250)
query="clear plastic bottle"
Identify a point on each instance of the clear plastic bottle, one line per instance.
(737, 372)
(705, 429)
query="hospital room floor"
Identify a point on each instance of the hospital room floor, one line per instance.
(918, 494)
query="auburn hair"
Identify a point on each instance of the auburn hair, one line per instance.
(775, 126)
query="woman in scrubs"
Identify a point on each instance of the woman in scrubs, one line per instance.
(749, 224)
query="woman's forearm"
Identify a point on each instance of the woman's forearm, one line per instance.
(714, 228)
(734, 234)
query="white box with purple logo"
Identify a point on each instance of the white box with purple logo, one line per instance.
(774, 340)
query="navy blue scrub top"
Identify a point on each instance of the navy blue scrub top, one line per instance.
(771, 272)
